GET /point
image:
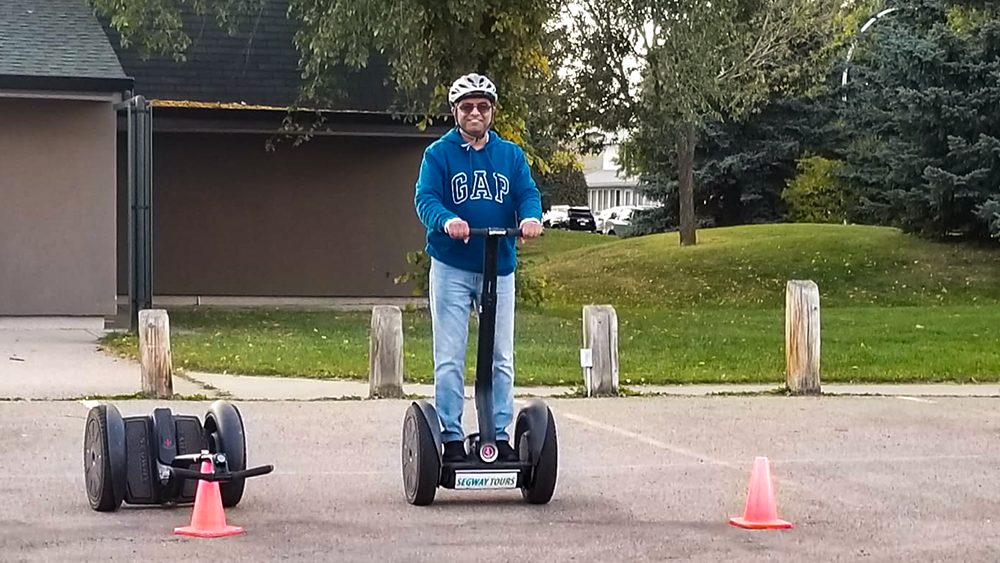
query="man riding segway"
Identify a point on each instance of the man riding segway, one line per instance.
(474, 194)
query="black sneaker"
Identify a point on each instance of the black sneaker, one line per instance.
(454, 451)
(505, 452)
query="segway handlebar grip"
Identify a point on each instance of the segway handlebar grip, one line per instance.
(253, 472)
(495, 232)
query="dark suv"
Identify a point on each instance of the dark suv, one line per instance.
(581, 219)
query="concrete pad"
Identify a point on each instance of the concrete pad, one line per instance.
(65, 364)
(307, 389)
(701, 389)
(257, 388)
(901, 389)
(52, 323)
(915, 389)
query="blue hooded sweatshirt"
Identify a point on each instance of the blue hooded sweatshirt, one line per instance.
(490, 187)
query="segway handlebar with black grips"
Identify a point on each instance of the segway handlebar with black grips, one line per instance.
(535, 442)
(220, 465)
(499, 232)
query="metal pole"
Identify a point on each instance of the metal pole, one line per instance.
(131, 144)
(143, 209)
(850, 52)
(140, 202)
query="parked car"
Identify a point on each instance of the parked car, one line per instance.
(620, 222)
(602, 217)
(581, 219)
(556, 217)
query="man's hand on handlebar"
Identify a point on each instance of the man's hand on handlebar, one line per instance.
(530, 230)
(458, 230)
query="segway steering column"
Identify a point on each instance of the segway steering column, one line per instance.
(487, 450)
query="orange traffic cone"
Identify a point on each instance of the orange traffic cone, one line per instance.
(208, 519)
(761, 510)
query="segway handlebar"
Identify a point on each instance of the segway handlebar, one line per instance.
(222, 477)
(495, 232)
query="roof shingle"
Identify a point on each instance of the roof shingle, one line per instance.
(54, 39)
(258, 65)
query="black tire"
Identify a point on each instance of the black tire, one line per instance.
(98, 475)
(543, 479)
(225, 434)
(421, 466)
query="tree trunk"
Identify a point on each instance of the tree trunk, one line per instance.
(685, 176)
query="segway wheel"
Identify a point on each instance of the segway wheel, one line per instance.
(100, 450)
(421, 465)
(542, 484)
(225, 434)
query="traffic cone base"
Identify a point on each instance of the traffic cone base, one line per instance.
(761, 510)
(742, 523)
(191, 531)
(208, 519)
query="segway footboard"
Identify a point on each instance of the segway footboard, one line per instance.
(476, 475)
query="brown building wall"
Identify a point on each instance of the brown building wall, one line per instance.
(57, 207)
(332, 217)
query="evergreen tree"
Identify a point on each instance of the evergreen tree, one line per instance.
(924, 120)
(742, 165)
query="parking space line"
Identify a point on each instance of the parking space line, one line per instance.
(645, 439)
(887, 459)
(90, 404)
(914, 399)
(635, 436)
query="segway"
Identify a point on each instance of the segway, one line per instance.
(156, 459)
(424, 469)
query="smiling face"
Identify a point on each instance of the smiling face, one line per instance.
(473, 115)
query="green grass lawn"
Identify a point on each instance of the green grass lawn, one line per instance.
(747, 267)
(893, 308)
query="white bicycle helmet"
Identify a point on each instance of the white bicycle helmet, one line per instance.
(472, 85)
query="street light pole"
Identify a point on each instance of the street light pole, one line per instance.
(850, 52)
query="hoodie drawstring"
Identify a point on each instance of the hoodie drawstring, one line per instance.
(486, 147)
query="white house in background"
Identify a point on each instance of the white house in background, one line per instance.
(605, 188)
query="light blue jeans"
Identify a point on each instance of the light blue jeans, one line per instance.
(453, 293)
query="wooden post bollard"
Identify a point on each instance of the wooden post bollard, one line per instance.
(802, 337)
(600, 337)
(154, 348)
(385, 353)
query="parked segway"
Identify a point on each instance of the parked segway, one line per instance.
(534, 431)
(156, 459)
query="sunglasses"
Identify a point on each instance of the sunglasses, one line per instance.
(483, 107)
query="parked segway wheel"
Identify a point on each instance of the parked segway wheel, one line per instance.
(421, 466)
(225, 434)
(542, 483)
(104, 458)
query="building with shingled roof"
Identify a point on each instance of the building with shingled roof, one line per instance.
(59, 81)
(239, 213)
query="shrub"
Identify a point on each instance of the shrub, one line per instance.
(816, 194)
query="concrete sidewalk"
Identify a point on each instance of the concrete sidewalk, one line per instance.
(65, 364)
(304, 389)
(69, 364)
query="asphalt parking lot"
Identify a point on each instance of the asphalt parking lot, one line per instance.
(641, 479)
